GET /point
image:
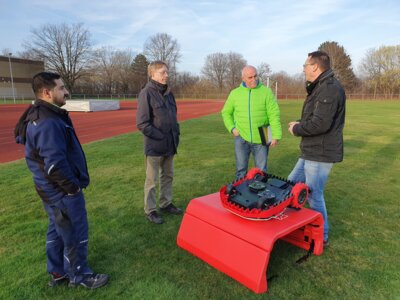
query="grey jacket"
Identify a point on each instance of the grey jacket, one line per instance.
(156, 118)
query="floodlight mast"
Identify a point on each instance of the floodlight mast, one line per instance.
(11, 74)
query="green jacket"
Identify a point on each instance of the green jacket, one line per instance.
(247, 109)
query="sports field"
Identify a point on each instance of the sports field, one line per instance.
(96, 125)
(143, 259)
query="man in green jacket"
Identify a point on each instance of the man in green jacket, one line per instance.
(248, 107)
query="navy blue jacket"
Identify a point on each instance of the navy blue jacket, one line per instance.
(156, 119)
(53, 152)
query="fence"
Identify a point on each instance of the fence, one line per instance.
(200, 96)
(223, 96)
(203, 96)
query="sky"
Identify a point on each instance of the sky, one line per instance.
(279, 33)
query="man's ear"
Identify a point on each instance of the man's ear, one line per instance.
(46, 93)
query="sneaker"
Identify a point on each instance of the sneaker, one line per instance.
(326, 244)
(56, 279)
(155, 218)
(171, 209)
(91, 281)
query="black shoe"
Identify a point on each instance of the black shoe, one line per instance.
(56, 279)
(155, 218)
(326, 244)
(171, 209)
(92, 281)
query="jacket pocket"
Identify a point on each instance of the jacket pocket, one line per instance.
(157, 146)
(61, 218)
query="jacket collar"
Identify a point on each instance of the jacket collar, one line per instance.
(162, 88)
(310, 86)
(31, 114)
(52, 107)
(245, 86)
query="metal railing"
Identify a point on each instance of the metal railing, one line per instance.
(9, 99)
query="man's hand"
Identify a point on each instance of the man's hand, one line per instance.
(291, 125)
(79, 189)
(273, 143)
(235, 132)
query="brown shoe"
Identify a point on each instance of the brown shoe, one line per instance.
(326, 244)
(155, 218)
(171, 209)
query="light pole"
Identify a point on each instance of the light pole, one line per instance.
(12, 79)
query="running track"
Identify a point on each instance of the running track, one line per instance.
(95, 126)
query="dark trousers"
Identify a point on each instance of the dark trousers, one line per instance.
(67, 237)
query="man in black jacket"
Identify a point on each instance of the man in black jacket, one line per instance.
(321, 130)
(156, 119)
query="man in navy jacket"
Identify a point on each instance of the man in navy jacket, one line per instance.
(55, 157)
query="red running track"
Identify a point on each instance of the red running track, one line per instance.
(95, 126)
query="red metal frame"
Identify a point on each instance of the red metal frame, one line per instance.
(241, 248)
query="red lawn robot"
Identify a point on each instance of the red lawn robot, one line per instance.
(262, 196)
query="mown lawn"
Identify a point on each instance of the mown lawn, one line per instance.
(143, 259)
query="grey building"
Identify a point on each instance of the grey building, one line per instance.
(22, 71)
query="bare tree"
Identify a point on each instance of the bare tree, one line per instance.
(287, 84)
(215, 69)
(112, 70)
(164, 47)
(382, 68)
(64, 48)
(264, 72)
(235, 64)
(185, 82)
(104, 66)
(28, 54)
(124, 60)
(5, 51)
(340, 64)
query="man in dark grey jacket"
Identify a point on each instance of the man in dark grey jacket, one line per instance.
(156, 119)
(321, 130)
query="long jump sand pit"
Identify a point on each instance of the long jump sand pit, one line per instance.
(91, 105)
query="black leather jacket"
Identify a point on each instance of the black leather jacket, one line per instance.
(322, 120)
(156, 119)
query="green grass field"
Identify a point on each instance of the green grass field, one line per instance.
(143, 259)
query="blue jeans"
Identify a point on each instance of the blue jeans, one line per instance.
(242, 154)
(315, 175)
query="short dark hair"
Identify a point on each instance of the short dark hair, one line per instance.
(320, 58)
(44, 80)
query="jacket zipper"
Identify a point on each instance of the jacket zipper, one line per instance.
(251, 135)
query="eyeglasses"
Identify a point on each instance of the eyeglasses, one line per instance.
(305, 65)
